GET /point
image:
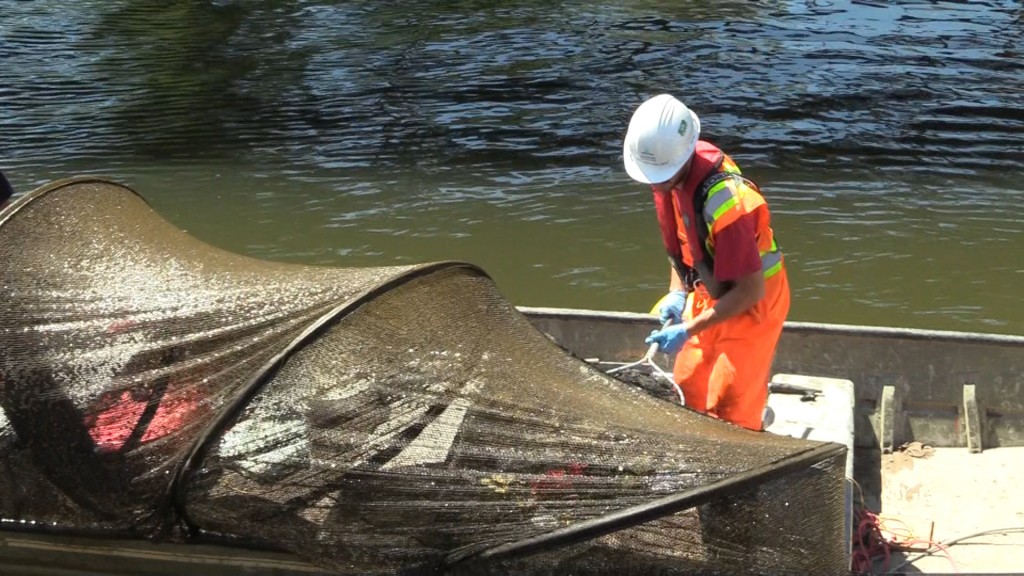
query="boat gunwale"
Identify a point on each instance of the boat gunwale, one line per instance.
(801, 327)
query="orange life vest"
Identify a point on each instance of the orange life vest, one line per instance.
(713, 195)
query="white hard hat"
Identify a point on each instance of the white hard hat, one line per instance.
(662, 136)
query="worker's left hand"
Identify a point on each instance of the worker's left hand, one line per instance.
(672, 306)
(670, 339)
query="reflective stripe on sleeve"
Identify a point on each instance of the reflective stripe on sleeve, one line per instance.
(720, 198)
(771, 261)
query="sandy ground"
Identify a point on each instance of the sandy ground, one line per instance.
(946, 493)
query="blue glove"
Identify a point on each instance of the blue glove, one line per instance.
(670, 339)
(672, 306)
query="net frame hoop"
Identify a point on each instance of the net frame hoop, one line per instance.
(20, 202)
(176, 494)
(641, 513)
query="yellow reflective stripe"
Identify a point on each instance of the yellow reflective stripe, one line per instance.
(718, 201)
(773, 269)
(771, 261)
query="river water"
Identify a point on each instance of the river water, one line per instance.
(888, 136)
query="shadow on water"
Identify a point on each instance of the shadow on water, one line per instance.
(185, 69)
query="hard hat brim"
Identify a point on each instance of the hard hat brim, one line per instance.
(650, 174)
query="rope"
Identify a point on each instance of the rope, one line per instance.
(878, 536)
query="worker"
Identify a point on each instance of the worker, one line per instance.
(728, 290)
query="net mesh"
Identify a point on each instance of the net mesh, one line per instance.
(372, 420)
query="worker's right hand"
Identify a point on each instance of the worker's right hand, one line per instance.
(672, 306)
(669, 339)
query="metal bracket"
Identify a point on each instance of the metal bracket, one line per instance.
(972, 419)
(887, 422)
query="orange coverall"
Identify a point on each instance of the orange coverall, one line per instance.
(724, 370)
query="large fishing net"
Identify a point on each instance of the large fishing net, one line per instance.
(371, 420)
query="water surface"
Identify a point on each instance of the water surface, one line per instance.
(887, 136)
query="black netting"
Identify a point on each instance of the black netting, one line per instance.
(368, 419)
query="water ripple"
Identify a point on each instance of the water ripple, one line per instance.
(913, 85)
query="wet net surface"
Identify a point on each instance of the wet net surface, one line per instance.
(372, 420)
(645, 378)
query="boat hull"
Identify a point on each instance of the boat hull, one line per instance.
(910, 385)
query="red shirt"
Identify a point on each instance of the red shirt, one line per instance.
(736, 253)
